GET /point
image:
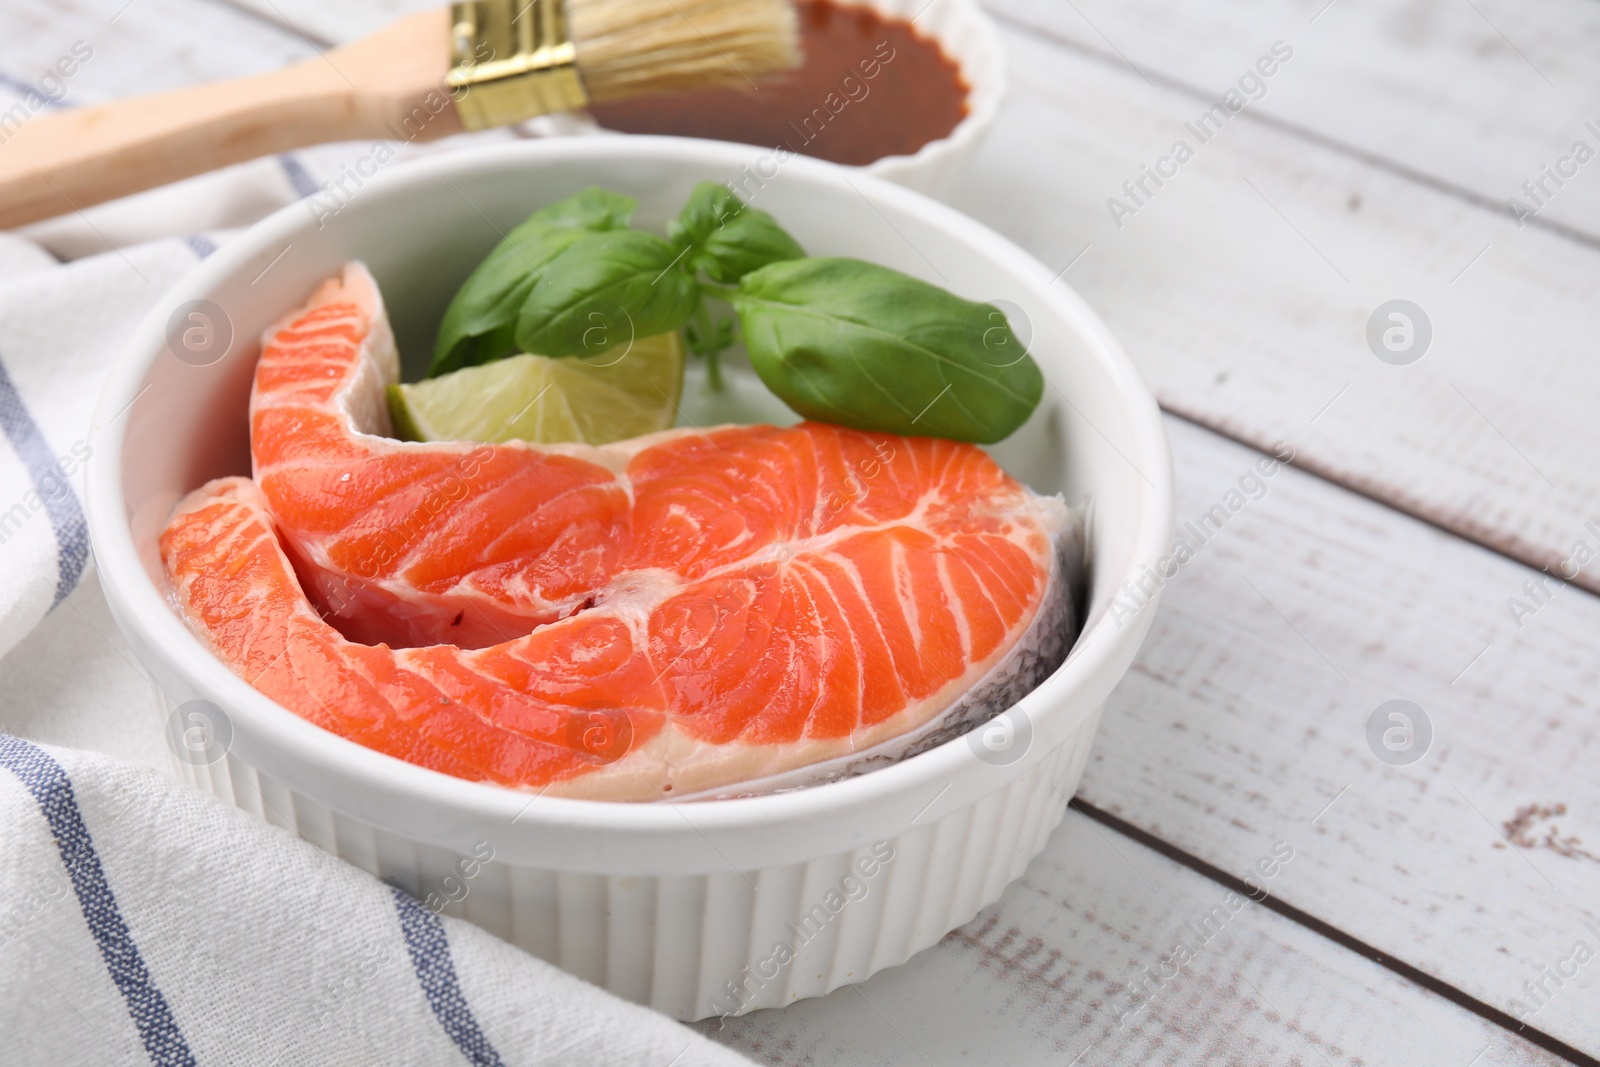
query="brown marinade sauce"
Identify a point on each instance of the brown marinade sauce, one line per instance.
(869, 87)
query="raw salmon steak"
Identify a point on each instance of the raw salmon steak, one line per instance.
(682, 612)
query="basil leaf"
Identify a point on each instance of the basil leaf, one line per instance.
(480, 321)
(604, 290)
(844, 341)
(728, 240)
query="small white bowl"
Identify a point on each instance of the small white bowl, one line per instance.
(665, 904)
(966, 34)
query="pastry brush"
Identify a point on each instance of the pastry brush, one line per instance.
(479, 64)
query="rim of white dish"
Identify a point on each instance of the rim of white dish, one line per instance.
(1099, 645)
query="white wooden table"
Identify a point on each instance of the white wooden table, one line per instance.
(1424, 901)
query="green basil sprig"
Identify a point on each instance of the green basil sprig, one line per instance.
(480, 323)
(726, 239)
(853, 343)
(603, 290)
(839, 340)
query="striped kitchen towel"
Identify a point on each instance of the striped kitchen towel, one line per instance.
(144, 922)
(140, 920)
(61, 325)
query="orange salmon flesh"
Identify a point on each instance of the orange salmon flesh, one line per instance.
(654, 618)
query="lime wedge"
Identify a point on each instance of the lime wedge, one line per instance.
(596, 399)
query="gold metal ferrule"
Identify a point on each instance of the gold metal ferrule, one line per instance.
(512, 60)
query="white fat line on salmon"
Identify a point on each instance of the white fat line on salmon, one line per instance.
(433, 503)
(639, 587)
(1138, 591)
(820, 580)
(984, 580)
(905, 592)
(781, 553)
(855, 489)
(880, 619)
(852, 887)
(963, 626)
(328, 320)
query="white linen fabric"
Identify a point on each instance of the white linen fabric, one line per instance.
(141, 920)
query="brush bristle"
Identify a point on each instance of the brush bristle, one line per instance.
(639, 47)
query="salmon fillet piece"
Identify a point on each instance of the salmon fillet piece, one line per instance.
(663, 616)
(417, 544)
(679, 689)
(414, 543)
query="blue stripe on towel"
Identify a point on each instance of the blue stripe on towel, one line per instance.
(50, 786)
(201, 245)
(300, 179)
(66, 514)
(430, 958)
(25, 89)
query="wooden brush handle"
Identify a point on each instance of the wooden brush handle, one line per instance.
(389, 85)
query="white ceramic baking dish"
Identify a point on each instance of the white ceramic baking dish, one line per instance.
(680, 906)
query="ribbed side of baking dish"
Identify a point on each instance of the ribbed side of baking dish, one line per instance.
(724, 942)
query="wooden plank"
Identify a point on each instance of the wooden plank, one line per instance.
(1246, 714)
(1478, 96)
(142, 47)
(332, 23)
(1042, 977)
(1243, 289)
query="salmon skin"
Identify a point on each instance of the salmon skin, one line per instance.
(676, 614)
